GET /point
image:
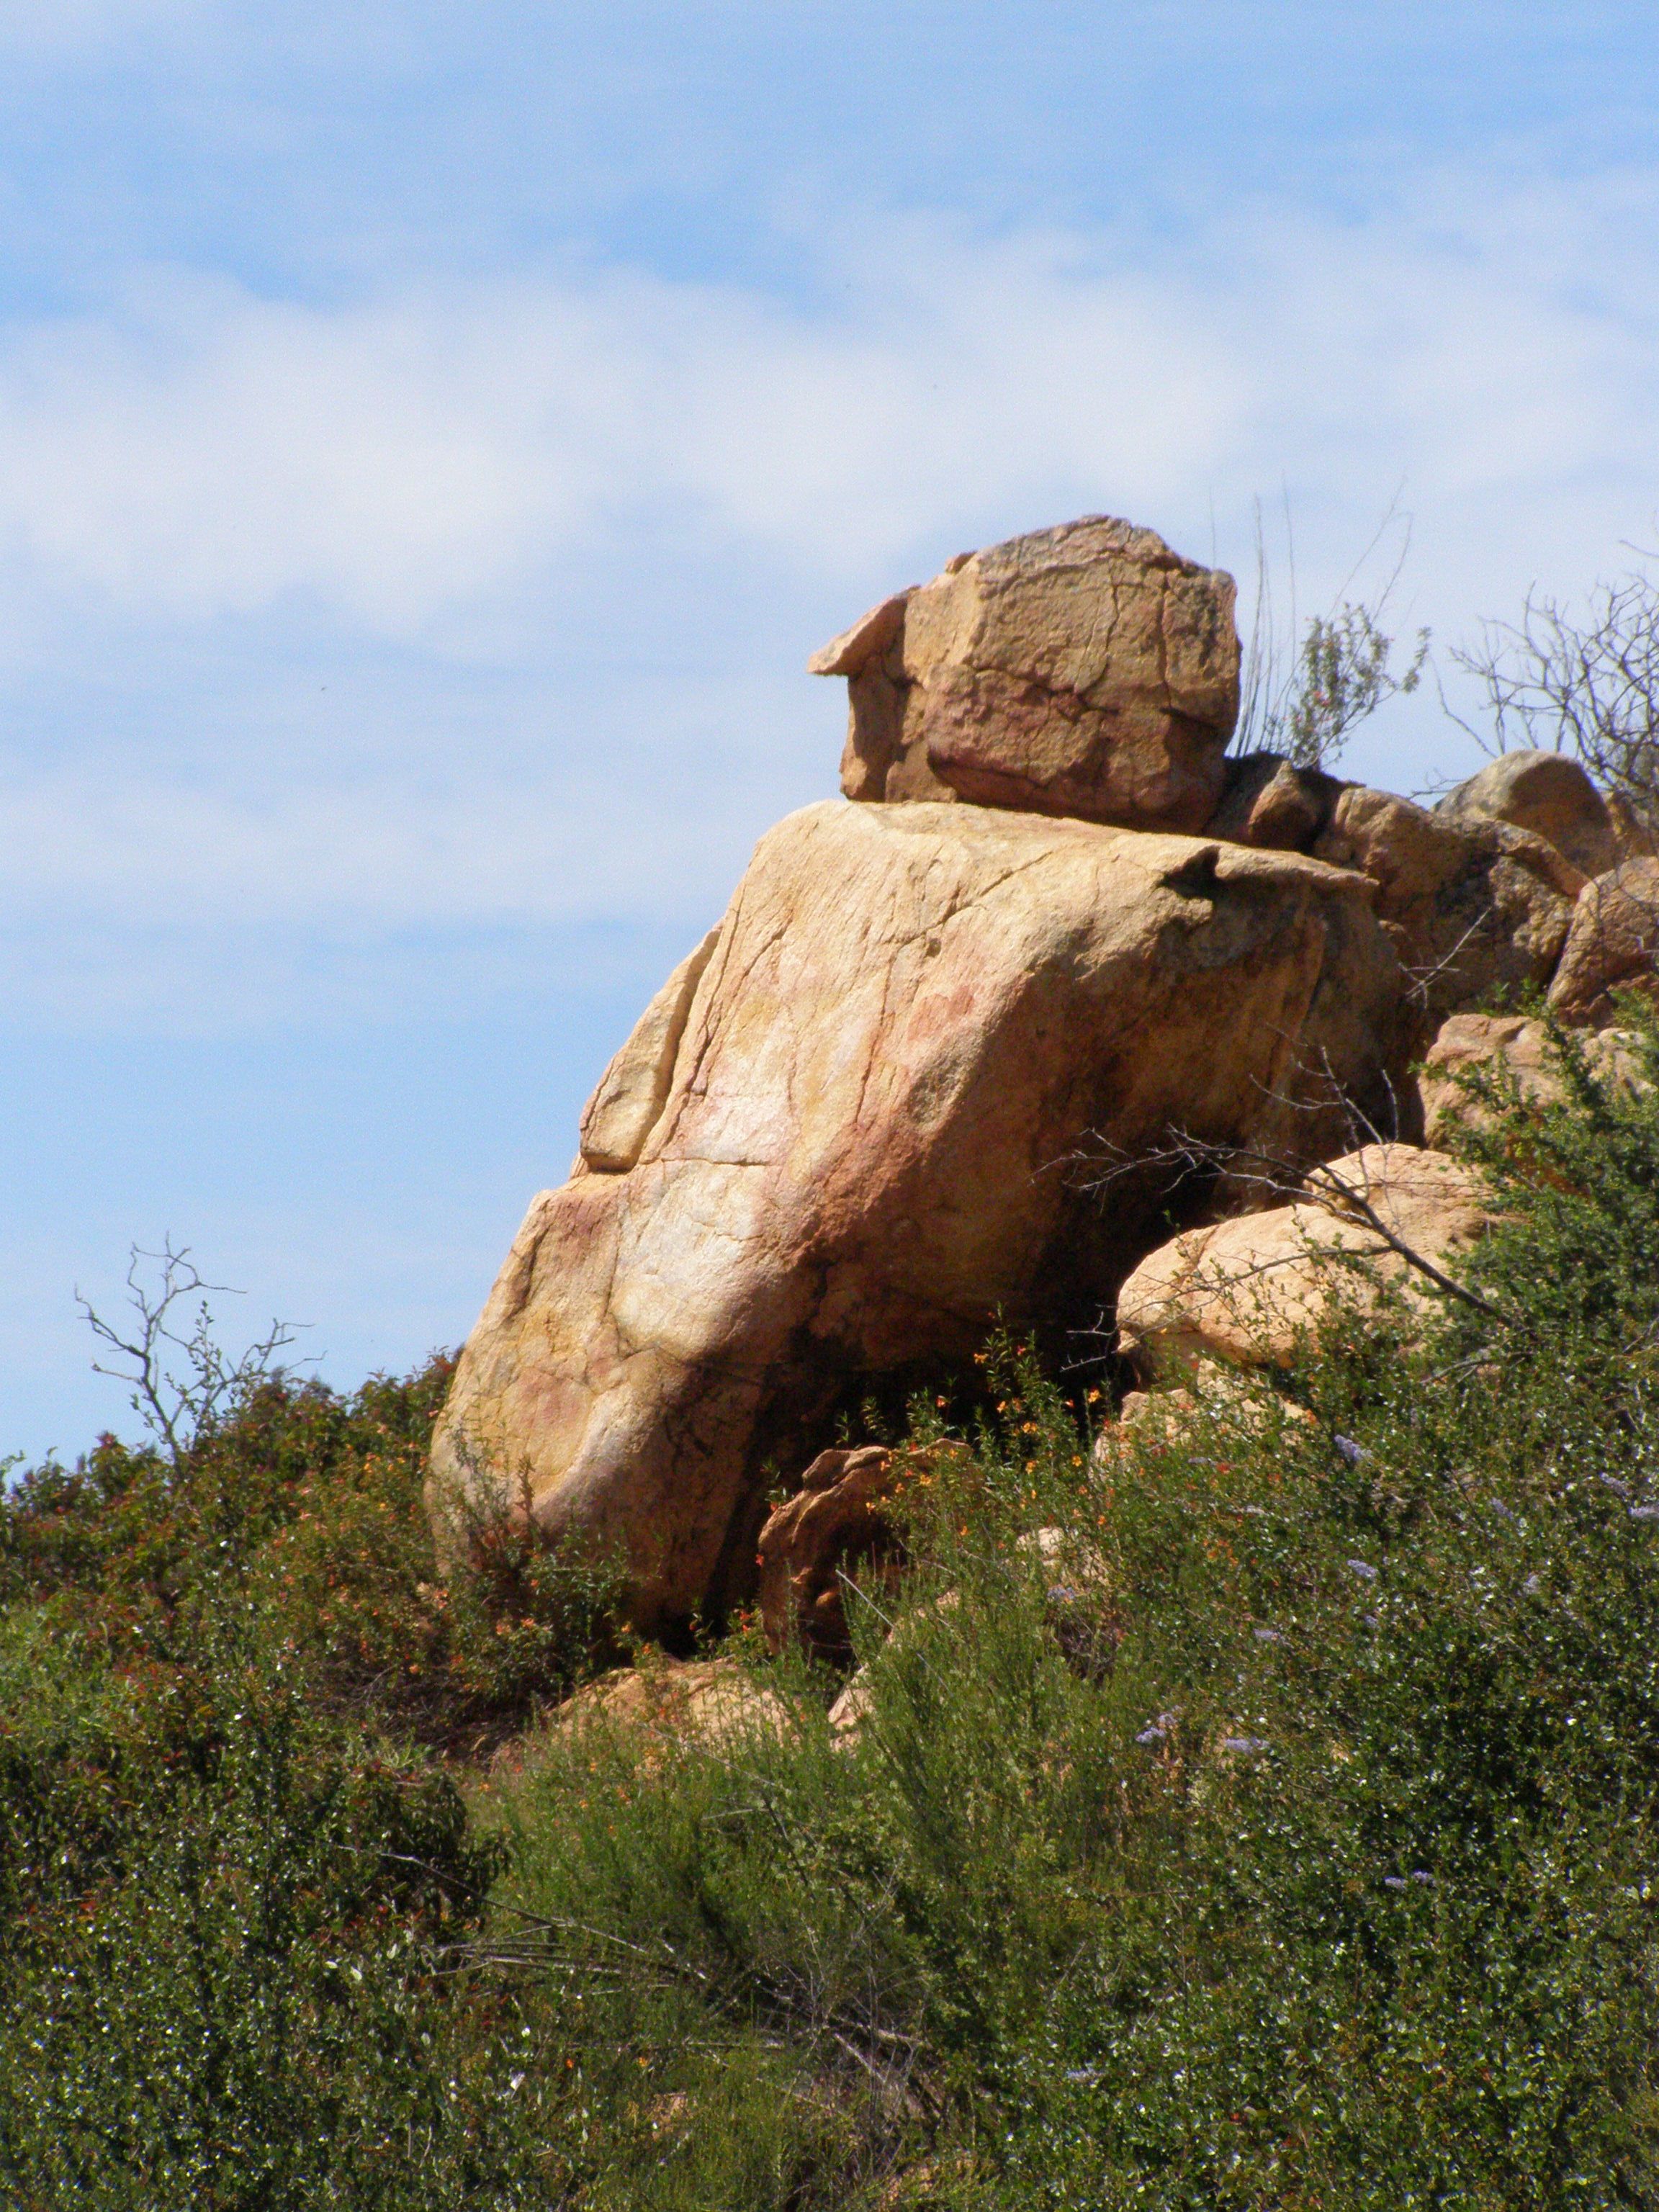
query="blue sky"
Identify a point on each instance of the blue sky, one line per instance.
(433, 438)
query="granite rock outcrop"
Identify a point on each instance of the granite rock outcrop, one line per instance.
(912, 1082)
(933, 1067)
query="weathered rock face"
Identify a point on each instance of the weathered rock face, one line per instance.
(924, 1074)
(912, 1019)
(1613, 942)
(1548, 794)
(1522, 1046)
(1086, 671)
(1245, 1291)
(1471, 903)
(634, 1089)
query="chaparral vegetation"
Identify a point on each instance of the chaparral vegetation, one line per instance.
(1297, 1844)
(1240, 1792)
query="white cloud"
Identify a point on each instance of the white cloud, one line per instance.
(205, 452)
(639, 467)
(197, 451)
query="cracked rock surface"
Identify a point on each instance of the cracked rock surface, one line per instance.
(921, 1038)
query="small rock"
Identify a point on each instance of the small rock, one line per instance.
(1613, 942)
(835, 1529)
(1547, 792)
(1244, 1290)
(1270, 803)
(714, 1704)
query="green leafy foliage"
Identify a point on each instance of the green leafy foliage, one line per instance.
(232, 1874)
(1343, 674)
(1255, 1806)
(1335, 1888)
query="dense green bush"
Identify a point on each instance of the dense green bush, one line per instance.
(1285, 1837)
(1339, 1889)
(232, 1875)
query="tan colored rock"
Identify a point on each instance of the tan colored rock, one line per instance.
(1614, 943)
(1635, 834)
(914, 1018)
(1522, 1046)
(1269, 802)
(632, 1090)
(836, 1526)
(853, 1707)
(1547, 792)
(716, 1705)
(1063, 1554)
(1086, 671)
(1247, 1290)
(867, 640)
(1159, 1416)
(1166, 1417)
(1471, 903)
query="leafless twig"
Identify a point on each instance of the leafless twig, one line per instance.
(178, 1407)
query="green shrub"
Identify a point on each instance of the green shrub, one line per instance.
(310, 1505)
(232, 1879)
(1284, 1836)
(234, 2002)
(1337, 1889)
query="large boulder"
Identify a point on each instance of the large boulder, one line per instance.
(911, 1087)
(1251, 1290)
(1471, 903)
(1087, 670)
(1547, 792)
(1614, 944)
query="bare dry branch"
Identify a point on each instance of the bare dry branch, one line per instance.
(177, 1407)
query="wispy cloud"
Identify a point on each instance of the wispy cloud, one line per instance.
(573, 480)
(195, 451)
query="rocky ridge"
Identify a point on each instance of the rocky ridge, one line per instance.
(958, 1050)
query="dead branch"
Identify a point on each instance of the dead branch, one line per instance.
(178, 1407)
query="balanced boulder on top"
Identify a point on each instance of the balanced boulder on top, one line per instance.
(1086, 671)
(935, 1064)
